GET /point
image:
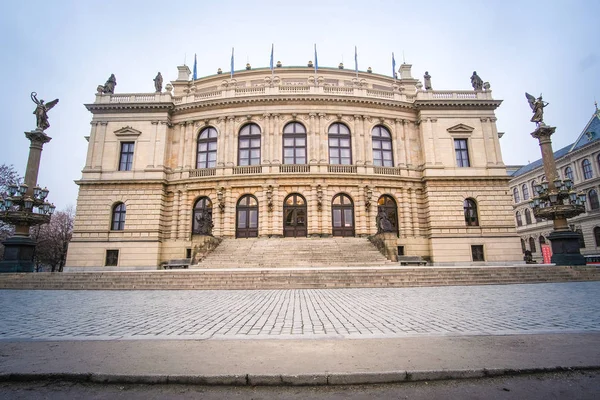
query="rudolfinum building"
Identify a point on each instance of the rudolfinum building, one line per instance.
(292, 153)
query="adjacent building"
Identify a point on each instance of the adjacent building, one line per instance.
(580, 162)
(293, 152)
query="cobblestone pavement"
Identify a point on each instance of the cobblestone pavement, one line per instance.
(299, 314)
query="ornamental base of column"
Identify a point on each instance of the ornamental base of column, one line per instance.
(565, 248)
(18, 254)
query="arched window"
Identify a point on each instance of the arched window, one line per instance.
(470, 209)
(533, 185)
(387, 205)
(542, 240)
(523, 248)
(525, 189)
(249, 145)
(207, 148)
(118, 217)
(516, 195)
(294, 143)
(527, 216)
(597, 236)
(519, 220)
(586, 165)
(382, 147)
(598, 161)
(569, 173)
(340, 151)
(202, 220)
(532, 245)
(342, 210)
(247, 217)
(593, 196)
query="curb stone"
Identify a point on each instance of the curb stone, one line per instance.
(288, 380)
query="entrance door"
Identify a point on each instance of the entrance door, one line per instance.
(294, 213)
(247, 217)
(342, 210)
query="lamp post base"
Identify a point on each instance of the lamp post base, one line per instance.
(18, 254)
(565, 248)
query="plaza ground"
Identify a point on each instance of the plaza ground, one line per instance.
(311, 336)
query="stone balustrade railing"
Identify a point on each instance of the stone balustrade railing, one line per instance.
(233, 92)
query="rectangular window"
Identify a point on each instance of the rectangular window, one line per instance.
(126, 159)
(462, 153)
(112, 258)
(188, 253)
(477, 252)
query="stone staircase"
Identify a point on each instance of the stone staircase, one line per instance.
(294, 253)
(298, 278)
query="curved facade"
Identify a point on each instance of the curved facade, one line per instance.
(276, 155)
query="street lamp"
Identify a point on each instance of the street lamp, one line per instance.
(555, 199)
(26, 204)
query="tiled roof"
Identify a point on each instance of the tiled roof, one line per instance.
(538, 163)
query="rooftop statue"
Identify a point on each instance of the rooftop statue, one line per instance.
(109, 86)
(427, 79)
(41, 111)
(476, 81)
(537, 106)
(158, 82)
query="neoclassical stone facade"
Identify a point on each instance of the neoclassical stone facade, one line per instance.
(293, 153)
(580, 162)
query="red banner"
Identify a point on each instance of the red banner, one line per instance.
(547, 253)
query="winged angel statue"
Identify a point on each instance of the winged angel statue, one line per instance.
(41, 111)
(537, 106)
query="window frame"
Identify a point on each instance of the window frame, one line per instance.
(462, 154)
(477, 253)
(127, 163)
(470, 208)
(532, 245)
(339, 136)
(525, 190)
(114, 255)
(294, 136)
(381, 139)
(586, 168)
(249, 137)
(528, 220)
(597, 235)
(519, 219)
(201, 205)
(209, 130)
(593, 200)
(117, 216)
(569, 173)
(516, 195)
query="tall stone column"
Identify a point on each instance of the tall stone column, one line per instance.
(152, 155)
(406, 214)
(398, 143)
(187, 154)
(323, 140)
(221, 142)
(181, 135)
(266, 143)
(312, 155)
(91, 147)
(357, 138)
(488, 143)
(415, 213)
(100, 142)
(277, 147)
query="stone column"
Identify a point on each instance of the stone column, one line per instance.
(408, 133)
(181, 129)
(398, 144)
(496, 141)
(175, 213)
(415, 213)
(160, 144)
(187, 146)
(100, 143)
(323, 141)
(367, 145)
(231, 148)
(221, 138)
(312, 155)
(267, 140)
(488, 145)
(91, 145)
(276, 144)
(406, 215)
(357, 137)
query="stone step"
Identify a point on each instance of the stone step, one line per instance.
(293, 279)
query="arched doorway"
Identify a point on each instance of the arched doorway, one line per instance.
(202, 219)
(294, 216)
(247, 217)
(387, 204)
(342, 210)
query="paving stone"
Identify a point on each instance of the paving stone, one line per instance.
(300, 313)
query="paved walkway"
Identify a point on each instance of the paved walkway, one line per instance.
(300, 314)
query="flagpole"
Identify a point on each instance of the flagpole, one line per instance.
(272, 71)
(316, 66)
(356, 62)
(232, 63)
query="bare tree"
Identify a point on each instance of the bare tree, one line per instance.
(53, 240)
(8, 176)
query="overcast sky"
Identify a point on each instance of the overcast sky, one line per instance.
(64, 49)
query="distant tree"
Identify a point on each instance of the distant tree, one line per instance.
(53, 240)
(8, 176)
